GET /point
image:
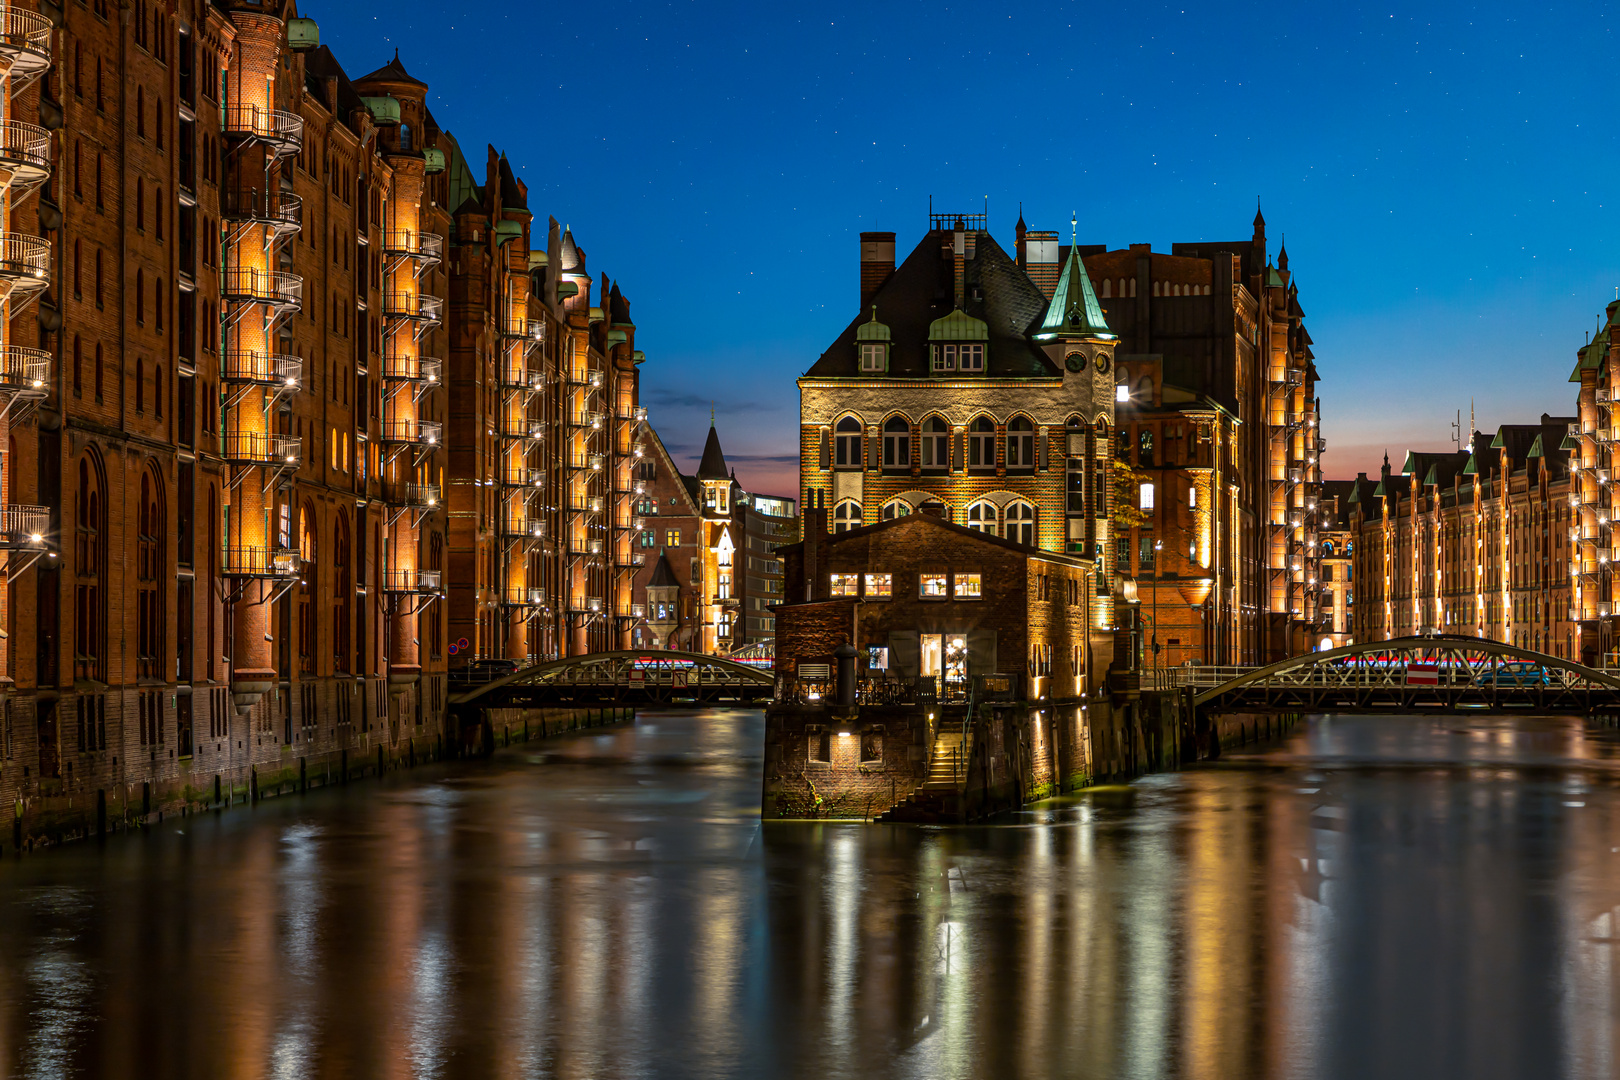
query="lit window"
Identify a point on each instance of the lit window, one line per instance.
(967, 586)
(672, 538)
(1146, 497)
(1122, 392)
(1192, 500)
(879, 586)
(932, 587)
(846, 584)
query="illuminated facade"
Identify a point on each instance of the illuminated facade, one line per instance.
(969, 388)
(1338, 548)
(227, 465)
(1473, 542)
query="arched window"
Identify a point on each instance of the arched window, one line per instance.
(308, 583)
(1327, 548)
(404, 136)
(1020, 444)
(936, 447)
(848, 442)
(88, 598)
(981, 516)
(899, 508)
(846, 516)
(342, 592)
(982, 444)
(1108, 290)
(1144, 446)
(151, 530)
(897, 443)
(1021, 523)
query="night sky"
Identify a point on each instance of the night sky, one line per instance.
(1442, 175)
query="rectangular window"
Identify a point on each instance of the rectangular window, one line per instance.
(968, 586)
(648, 539)
(1147, 497)
(1192, 497)
(932, 586)
(970, 357)
(846, 584)
(944, 357)
(672, 538)
(1145, 552)
(879, 586)
(871, 357)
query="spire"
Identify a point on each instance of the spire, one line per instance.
(1282, 254)
(663, 575)
(1074, 310)
(1259, 218)
(713, 465)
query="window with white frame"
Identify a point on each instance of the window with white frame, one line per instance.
(846, 584)
(848, 442)
(944, 358)
(1021, 523)
(969, 357)
(981, 517)
(936, 447)
(872, 356)
(846, 516)
(897, 509)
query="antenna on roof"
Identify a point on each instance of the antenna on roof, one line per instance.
(1074, 227)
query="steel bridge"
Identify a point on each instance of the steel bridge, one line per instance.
(625, 677)
(1434, 673)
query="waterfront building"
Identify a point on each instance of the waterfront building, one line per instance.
(999, 388)
(1337, 543)
(1475, 542)
(230, 449)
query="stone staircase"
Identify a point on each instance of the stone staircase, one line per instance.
(937, 799)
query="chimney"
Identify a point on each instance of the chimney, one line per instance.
(877, 263)
(815, 534)
(1041, 259)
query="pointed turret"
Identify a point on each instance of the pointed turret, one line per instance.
(1074, 310)
(713, 465)
(663, 575)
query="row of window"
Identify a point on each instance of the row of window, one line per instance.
(931, 585)
(1016, 521)
(932, 446)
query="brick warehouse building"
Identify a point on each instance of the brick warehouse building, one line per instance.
(227, 501)
(1002, 387)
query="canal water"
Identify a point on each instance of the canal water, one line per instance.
(1392, 897)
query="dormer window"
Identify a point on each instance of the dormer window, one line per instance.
(957, 343)
(872, 356)
(961, 356)
(872, 341)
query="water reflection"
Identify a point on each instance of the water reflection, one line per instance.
(1392, 896)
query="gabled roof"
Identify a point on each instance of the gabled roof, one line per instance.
(1074, 310)
(713, 465)
(393, 71)
(922, 290)
(833, 540)
(514, 195)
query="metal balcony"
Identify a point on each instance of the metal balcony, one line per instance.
(261, 562)
(412, 581)
(593, 462)
(275, 288)
(262, 369)
(410, 432)
(25, 264)
(1296, 476)
(281, 131)
(586, 605)
(521, 427)
(585, 418)
(524, 527)
(636, 414)
(520, 327)
(414, 306)
(514, 377)
(24, 371)
(1296, 377)
(260, 448)
(632, 558)
(581, 503)
(24, 527)
(1603, 395)
(523, 476)
(521, 596)
(425, 247)
(583, 546)
(585, 376)
(638, 611)
(410, 495)
(280, 211)
(25, 152)
(411, 368)
(25, 46)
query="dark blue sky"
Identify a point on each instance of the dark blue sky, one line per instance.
(1443, 174)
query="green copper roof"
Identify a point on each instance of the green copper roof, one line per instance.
(1471, 469)
(1591, 354)
(1535, 448)
(957, 326)
(1273, 279)
(874, 330)
(1074, 311)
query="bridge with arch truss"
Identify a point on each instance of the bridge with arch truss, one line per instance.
(1433, 673)
(624, 677)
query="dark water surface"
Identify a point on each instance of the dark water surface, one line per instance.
(1390, 897)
